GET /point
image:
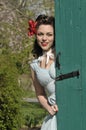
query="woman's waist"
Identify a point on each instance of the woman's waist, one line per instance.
(50, 87)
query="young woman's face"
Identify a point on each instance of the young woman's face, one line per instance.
(45, 37)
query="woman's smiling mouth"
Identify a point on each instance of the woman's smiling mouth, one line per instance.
(44, 44)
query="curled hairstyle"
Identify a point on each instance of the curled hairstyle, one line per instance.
(45, 20)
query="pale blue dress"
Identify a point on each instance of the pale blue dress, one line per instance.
(46, 79)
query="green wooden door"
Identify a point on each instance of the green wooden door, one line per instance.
(71, 56)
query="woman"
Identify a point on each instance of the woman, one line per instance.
(43, 67)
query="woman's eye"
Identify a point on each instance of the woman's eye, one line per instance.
(49, 34)
(39, 34)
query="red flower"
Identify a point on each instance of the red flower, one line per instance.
(32, 28)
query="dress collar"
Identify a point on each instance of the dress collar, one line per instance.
(49, 55)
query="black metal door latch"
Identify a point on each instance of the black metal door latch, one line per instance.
(68, 75)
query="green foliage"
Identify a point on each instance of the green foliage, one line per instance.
(29, 94)
(33, 114)
(10, 94)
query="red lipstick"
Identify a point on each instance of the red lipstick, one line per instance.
(44, 44)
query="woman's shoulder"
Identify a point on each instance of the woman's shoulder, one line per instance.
(34, 61)
(34, 64)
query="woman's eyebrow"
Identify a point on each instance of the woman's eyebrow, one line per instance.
(49, 32)
(45, 32)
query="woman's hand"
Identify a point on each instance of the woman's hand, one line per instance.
(54, 109)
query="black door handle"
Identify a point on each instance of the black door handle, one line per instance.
(68, 75)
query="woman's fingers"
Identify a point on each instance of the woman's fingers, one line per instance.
(55, 108)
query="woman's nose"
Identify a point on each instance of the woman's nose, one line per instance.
(44, 37)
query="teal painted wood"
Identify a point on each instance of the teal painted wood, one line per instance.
(71, 43)
(83, 49)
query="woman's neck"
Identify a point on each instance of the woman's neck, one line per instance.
(51, 50)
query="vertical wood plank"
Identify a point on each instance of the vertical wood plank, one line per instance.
(71, 43)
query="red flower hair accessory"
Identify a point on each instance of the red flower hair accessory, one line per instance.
(32, 28)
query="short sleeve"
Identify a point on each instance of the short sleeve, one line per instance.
(33, 64)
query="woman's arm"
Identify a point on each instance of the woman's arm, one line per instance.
(41, 95)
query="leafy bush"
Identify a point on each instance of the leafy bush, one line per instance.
(33, 114)
(10, 115)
